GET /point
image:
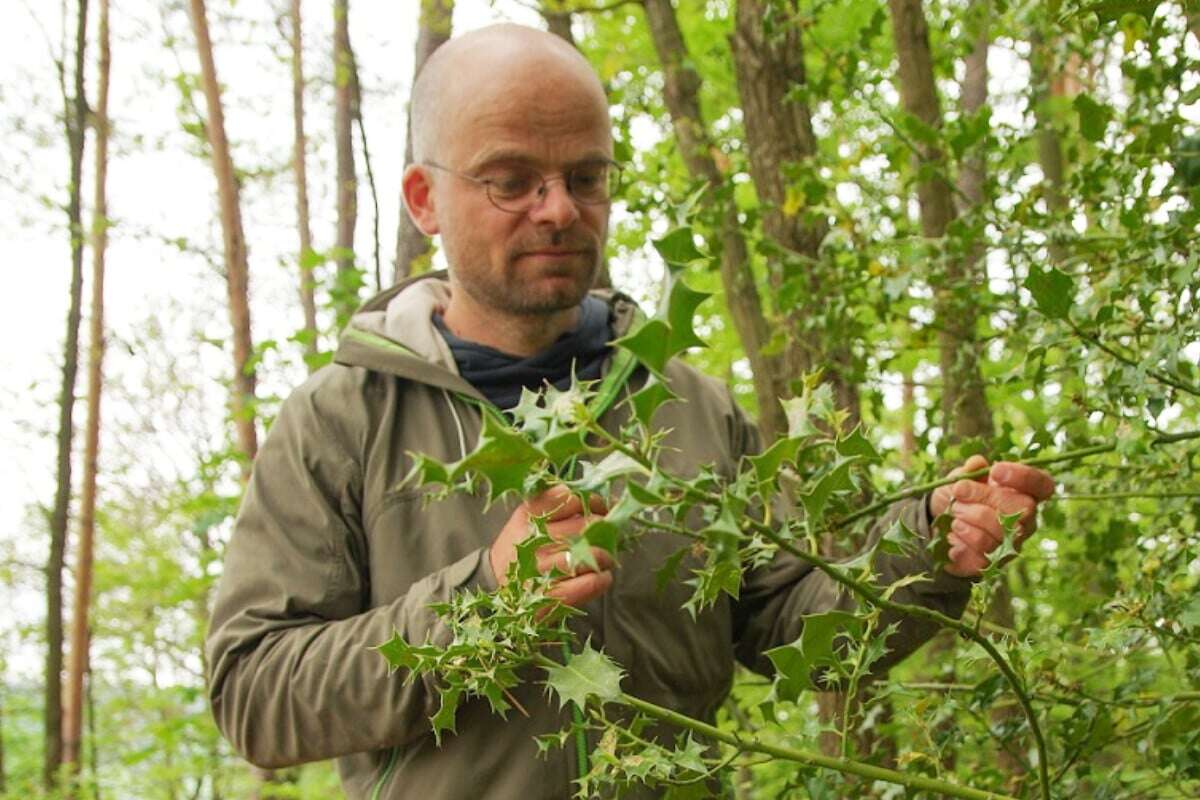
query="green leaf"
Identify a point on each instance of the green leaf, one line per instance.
(1052, 290)
(678, 248)
(399, 653)
(837, 479)
(503, 457)
(597, 477)
(444, 719)
(1093, 117)
(646, 400)
(767, 464)
(856, 444)
(650, 344)
(681, 310)
(586, 674)
(797, 664)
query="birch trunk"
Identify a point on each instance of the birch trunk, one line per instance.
(80, 631)
(237, 271)
(75, 123)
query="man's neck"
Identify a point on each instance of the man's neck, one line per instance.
(516, 334)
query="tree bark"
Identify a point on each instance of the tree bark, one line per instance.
(77, 666)
(307, 258)
(433, 31)
(965, 412)
(779, 132)
(237, 269)
(681, 91)
(558, 21)
(75, 124)
(348, 278)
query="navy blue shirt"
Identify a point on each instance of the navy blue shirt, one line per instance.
(500, 376)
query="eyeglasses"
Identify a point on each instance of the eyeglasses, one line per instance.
(516, 188)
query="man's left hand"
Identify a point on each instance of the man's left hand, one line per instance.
(976, 506)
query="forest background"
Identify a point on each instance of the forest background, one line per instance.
(977, 219)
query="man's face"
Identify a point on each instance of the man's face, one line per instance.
(545, 259)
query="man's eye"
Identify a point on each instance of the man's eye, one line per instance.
(588, 180)
(511, 183)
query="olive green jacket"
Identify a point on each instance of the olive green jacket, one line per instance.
(330, 555)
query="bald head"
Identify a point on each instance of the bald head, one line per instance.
(496, 64)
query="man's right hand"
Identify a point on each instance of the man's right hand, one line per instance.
(565, 520)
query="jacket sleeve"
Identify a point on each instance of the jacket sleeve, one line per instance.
(292, 676)
(774, 598)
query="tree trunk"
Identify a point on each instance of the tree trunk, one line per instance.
(432, 33)
(1047, 84)
(237, 270)
(348, 277)
(77, 667)
(779, 132)
(558, 21)
(965, 412)
(741, 294)
(75, 123)
(307, 258)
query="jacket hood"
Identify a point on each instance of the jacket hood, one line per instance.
(394, 332)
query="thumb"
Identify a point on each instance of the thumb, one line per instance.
(972, 464)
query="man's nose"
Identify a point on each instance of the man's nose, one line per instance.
(554, 205)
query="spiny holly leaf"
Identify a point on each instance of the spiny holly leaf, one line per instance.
(767, 464)
(596, 477)
(856, 444)
(588, 673)
(1052, 290)
(900, 540)
(503, 457)
(1093, 117)
(426, 470)
(1006, 550)
(669, 569)
(646, 400)
(399, 653)
(444, 719)
(678, 248)
(649, 344)
(797, 664)
(837, 479)
(526, 559)
(681, 310)
(814, 402)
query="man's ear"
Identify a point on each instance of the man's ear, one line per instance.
(418, 199)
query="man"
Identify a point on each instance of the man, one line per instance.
(512, 156)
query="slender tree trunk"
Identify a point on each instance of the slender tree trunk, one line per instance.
(908, 423)
(366, 151)
(237, 269)
(75, 123)
(741, 294)
(307, 258)
(965, 411)
(432, 33)
(558, 21)
(77, 666)
(348, 277)
(1047, 84)
(779, 132)
(1194, 26)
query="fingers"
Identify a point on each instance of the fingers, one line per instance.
(986, 515)
(582, 589)
(972, 464)
(557, 502)
(1023, 479)
(549, 559)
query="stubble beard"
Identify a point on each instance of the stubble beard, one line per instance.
(511, 293)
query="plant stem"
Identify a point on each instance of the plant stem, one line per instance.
(845, 765)
(1122, 495)
(1040, 461)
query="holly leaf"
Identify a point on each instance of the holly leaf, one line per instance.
(444, 719)
(681, 310)
(1093, 117)
(837, 479)
(678, 248)
(767, 464)
(646, 400)
(797, 664)
(399, 653)
(856, 444)
(586, 674)
(1052, 290)
(650, 344)
(503, 457)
